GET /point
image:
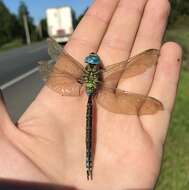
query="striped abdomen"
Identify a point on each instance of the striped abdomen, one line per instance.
(89, 137)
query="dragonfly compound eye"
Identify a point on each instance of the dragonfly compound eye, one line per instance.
(92, 59)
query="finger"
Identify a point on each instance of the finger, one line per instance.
(167, 74)
(152, 27)
(89, 33)
(164, 89)
(149, 36)
(118, 40)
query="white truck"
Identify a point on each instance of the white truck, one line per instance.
(60, 23)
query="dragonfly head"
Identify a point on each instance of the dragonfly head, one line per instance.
(92, 59)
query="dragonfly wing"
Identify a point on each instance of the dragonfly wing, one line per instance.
(112, 73)
(45, 68)
(64, 84)
(122, 102)
(65, 76)
(129, 68)
(66, 64)
(54, 49)
(140, 63)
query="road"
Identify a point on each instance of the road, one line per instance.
(19, 95)
(18, 61)
(19, 76)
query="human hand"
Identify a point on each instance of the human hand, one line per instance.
(51, 133)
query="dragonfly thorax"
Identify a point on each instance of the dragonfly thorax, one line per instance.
(91, 78)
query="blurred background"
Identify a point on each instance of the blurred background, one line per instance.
(25, 25)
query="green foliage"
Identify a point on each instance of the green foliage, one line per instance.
(23, 10)
(74, 19)
(12, 26)
(43, 24)
(9, 25)
(13, 44)
(179, 9)
(175, 168)
(183, 7)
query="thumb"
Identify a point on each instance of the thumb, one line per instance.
(6, 123)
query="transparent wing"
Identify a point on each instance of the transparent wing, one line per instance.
(140, 63)
(45, 68)
(123, 102)
(64, 83)
(65, 76)
(54, 49)
(65, 62)
(129, 68)
(112, 73)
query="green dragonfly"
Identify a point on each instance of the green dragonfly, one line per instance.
(68, 77)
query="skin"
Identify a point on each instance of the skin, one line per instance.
(48, 144)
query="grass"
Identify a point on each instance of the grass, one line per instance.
(175, 168)
(14, 44)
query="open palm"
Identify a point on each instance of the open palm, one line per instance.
(49, 142)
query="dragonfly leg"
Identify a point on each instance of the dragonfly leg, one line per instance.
(81, 81)
(89, 174)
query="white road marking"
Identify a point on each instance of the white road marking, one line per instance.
(18, 79)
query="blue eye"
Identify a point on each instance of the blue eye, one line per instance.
(92, 59)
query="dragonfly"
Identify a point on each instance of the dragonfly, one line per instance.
(68, 77)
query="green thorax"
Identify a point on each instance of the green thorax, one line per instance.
(91, 78)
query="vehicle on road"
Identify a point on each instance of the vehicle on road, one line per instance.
(60, 22)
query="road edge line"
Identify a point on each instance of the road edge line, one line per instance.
(19, 78)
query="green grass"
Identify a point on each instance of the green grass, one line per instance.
(175, 168)
(14, 44)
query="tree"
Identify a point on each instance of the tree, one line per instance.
(183, 7)
(16, 27)
(23, 10)
(180, 8)
(81, 16)
(43, 24)
(7, 25)
(74, 20)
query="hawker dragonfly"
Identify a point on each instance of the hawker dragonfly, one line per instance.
(68, 77)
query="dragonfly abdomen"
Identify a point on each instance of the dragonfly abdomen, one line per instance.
(89, 137)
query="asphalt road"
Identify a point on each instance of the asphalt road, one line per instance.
(20, 95)
(19, 77)
(18, 61)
